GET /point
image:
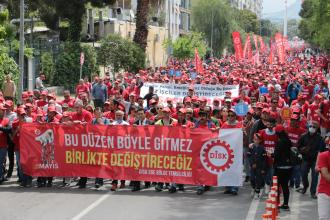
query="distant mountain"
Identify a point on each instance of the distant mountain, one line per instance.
(293, 13)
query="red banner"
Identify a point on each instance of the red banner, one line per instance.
(280, 47)
(198, 62)
(262, 45)
(237, 45)
(247, 52)
(148, 153)
(255, 38)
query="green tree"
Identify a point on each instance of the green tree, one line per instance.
(184, 47)
(121, 53)
(247, 20)
(7, 64)
(67, 66)
(216, 15)
(315, 24)
(51, 11)
(48, 66)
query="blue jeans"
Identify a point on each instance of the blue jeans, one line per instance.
(19, 167)
(305, 167)
(3, 155)
(296, 176)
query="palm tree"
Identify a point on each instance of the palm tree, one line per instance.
(141, 33)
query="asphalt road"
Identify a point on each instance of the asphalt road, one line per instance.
(63, 203)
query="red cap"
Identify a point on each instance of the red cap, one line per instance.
(265, 110)
(9, 103)
(21, 111)
(44, 92)
(166, 109)
(182, 110)
(51, 109)
(152, 101)
(295, 116)
(259, 105)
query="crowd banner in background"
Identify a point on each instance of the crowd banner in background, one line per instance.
(178, 91)
(146, 153)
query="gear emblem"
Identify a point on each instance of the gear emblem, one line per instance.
(216, 156)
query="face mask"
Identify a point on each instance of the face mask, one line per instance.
(120, 121)
(312, 130)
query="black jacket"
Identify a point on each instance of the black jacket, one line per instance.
(258, 156)
(282, 153)
(310, 145)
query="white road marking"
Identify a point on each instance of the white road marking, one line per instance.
(91, 207)
(253, 209)
(294, 205)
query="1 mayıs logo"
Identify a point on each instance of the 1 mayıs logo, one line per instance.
(46, 140)
(216, 156)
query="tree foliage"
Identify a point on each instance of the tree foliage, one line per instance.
(315, 24)
(184, 47)
(67, 66)
(121, 53)
(216, 15)
(48, 66)
(51, 11)
(8, 66)
(247, 20)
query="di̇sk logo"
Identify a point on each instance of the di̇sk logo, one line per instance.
(216, 156)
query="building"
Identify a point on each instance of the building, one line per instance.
(252, 5)
(169, 19)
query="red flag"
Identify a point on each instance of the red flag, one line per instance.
(237, 45)
(280, 47)
(255, 38)
(247, 52)
(262, 45)
(198, 62)
(286, 43)
(271, 51)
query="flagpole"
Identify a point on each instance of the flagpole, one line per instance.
(285, 31)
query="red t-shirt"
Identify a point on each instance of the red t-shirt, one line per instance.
(41, 103)
(70, 102)
(237, 125)
(269, 141)
(312, 114)
(294, 134)
(325, 111)
(109, 115)
(3, 137)
(81, 89)
(15, 126)
(324, 161)
(85, 116)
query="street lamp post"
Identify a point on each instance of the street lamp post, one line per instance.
(21, 51)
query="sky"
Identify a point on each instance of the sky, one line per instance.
(275, 5)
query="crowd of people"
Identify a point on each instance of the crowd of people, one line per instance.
(274, 144)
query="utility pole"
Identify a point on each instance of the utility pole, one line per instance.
(212, 32)
(285, 28)
(21, 51)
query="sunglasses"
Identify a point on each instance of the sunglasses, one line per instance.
(312, 126)
(231, 115)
